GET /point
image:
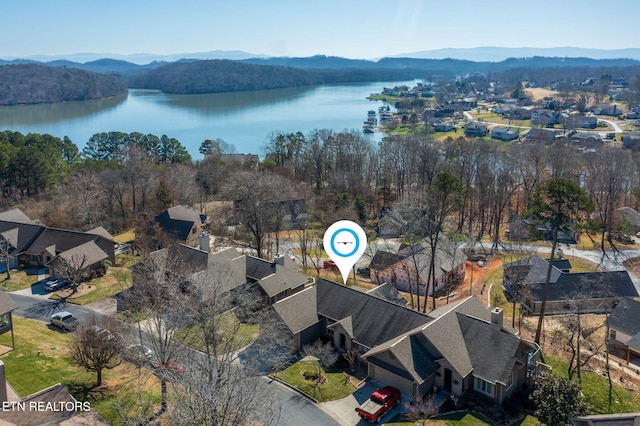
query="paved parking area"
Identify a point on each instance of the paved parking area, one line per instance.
(344, 410)
(35, 290)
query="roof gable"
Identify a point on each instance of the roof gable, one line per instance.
(281, 280)
(336, 302)
(625, 317)
(299, 311)
(491, 351)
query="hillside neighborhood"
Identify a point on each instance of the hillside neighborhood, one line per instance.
(500, 280)
(463, 350)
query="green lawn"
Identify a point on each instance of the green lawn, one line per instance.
(232, 334)
(463, 419)
(41, 360)
(19, 280)
(596, 391)
(335, 387)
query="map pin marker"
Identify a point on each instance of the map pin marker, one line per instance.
(345, 242)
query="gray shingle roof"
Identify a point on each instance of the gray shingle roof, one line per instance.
(625, 317)
(89, 251)
(15, 215)
(282, 279)
(299, 311)
(533, 269)
(20, 235)
(587, 285)
(461, 333)
(7, 304)
(492, 352)
(336, 301)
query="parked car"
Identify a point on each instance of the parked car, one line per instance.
(52, 285)
(329, 264)
(380, 402)
(102, 333)
(64, 320)
(171, 369)
(137, 354)
(363, 270)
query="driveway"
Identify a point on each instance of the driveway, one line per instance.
(344, 410)
(36, 290)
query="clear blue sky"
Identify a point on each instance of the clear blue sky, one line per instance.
(354, 29)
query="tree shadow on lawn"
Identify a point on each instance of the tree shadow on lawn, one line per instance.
(90, 392)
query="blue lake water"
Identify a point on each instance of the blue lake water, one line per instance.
(244, 119)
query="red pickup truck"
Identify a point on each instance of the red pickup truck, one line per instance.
(330, 264)
(381, 401)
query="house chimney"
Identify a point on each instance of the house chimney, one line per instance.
(205, 243)
(279, 259)
(3, 384)
(497, 316)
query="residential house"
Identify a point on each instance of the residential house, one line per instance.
(586, 292)
(540, 135)
(32, 244)
(627, 219)
(460, 348)
(545, 117)
(184, 222)
(607, 109)
(442, 126)
(55, 247)
(408, 268)
(624, 326)
(475, 130)
(504, 133)
(631, 140)
(272, 280)
(586, 139)
(581, 121)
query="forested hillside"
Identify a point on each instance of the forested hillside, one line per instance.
(222, 76)
(34, 84)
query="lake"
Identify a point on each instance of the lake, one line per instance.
(243, 119)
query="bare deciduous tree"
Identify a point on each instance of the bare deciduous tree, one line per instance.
(196, 322)
(73, 268)
(97, 345)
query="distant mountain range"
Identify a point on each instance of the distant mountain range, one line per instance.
(497, 54)
(139, 58)
(476, 54)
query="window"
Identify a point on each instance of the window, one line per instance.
(4, 320)
(612, 334)
(484, 386)
(510, 380)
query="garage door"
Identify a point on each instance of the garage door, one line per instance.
(389, 378)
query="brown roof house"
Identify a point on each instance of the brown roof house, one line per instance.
(32, 244)
(184, 222)
(408, 268)
(460, 348)
(586, 292)
(272, 280)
